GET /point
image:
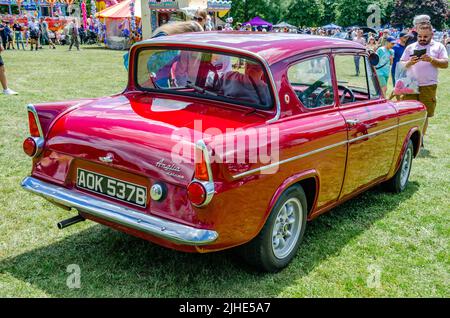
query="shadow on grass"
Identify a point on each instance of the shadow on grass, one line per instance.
(425, 153)
(117, 265)
(96, 47)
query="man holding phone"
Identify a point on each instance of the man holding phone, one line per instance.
(423, 59)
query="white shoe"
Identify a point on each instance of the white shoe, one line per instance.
(9, 91)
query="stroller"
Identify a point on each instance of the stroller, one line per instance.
(64, 40)
(90, 37)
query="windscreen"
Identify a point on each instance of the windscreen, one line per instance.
(204, 74)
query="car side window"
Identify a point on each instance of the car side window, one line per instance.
(351, 76)
(312, 82)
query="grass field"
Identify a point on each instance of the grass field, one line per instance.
(376, 245)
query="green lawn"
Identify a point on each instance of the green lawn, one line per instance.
(404, 239)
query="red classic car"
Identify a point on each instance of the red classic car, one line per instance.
(225, 140)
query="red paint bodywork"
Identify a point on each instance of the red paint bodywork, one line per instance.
(77, 133)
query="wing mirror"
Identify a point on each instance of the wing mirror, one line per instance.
(374, 59)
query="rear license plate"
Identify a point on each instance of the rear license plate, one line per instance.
(112, 187)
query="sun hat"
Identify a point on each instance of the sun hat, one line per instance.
(391, 39)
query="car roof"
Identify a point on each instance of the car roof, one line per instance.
(273, 47)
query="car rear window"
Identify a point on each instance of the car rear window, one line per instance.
(204, 74)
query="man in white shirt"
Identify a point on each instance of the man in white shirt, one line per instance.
(425, 68)
(33, 27)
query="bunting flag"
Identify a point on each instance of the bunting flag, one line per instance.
(163, 5)
(132, 17)
(93, 13)
(84, 14)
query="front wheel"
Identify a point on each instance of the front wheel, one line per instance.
(399, 181)
(277, 243)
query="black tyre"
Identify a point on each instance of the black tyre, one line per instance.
(279, 239)
(399, 181)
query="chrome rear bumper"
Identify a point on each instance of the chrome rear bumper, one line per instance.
(171, 231)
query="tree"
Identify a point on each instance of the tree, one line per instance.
(244, 10)
(239, 11)
(352, 12)
(278, 10)
(387, 7)
(405, 10)
(329, 14)
(305, 12)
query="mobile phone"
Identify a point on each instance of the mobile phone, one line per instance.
(419, 53)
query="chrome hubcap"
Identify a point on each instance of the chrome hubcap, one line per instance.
(406, 166)
(286, 230)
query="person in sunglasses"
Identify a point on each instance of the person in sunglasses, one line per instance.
(201, 17)
(425, 67)
(167, 30)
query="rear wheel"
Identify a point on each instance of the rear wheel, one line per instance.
(399, 181)
(278, 241)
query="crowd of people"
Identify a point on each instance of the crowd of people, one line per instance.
(413, 51)
(390, 46)
(396, 50)
(35, 33)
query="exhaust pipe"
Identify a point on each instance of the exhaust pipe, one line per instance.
(71, 221)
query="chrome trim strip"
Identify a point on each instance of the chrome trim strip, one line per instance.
(372, 134)
(384, 130)
(272, 165)
(39, 146)
(412, 121)
(32, 109)
(158, 41)
(244, 174)
(171, 231)
(38, 140)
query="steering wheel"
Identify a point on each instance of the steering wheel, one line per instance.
(320, 96)
(307, 92)
(350, 92)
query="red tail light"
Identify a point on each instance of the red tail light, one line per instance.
(34, 128)
(30, 146)
(33, 145)
(201, 189)
(197, 193)
(201, 168)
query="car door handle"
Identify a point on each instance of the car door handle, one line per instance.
(352, 122)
